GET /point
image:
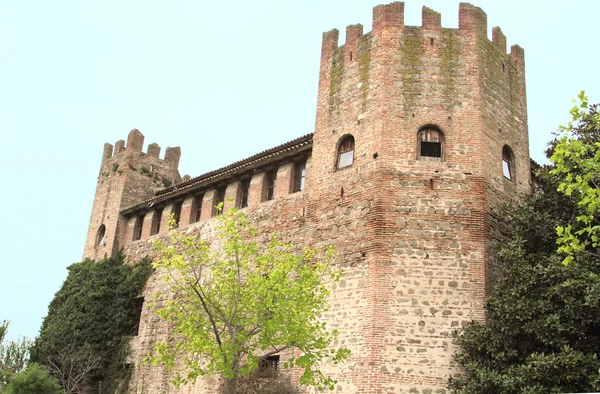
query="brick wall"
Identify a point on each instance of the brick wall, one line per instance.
(415, 236)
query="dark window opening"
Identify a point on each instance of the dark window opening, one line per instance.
(268, 365)
(431, 149)
(156, 219)
(432, 42)
(350, 55)
(299, 176)
(138, 305)
(137, 228)
(431, 144)
(245, 193)
(176, 212)
(270, 181)
(219, 199)
(196, 209)
(345, 157)
(508, 163)
(100, 236)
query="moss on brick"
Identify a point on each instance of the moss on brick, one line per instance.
(450, 59)
(411, 49)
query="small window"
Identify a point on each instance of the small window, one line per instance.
(156, 219)
(270, 182)
(431, 144)
(508, 163)
(268, 365)
(196, 208)
(137, 316)
(345, 157)
(299, 176)
(100, 236)
(176, 211)
(244, 193)
(219, 198)
(137, 228)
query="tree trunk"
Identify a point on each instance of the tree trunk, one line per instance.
(230, 386)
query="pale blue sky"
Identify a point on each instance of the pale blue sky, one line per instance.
(223, 80)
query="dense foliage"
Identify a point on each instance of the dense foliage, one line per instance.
(13, 355)
(34, 380)
(84, 337)
(238, 303)
(543, 328)
(576, 155)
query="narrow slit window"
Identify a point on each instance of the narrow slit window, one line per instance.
(219, 199)
(177, 212)
(156, 219)
(196, 209)
(137, 228)
(299, 176)
(100, 236)
(431, 144)
(137, 317)
(345, 156)
(270, 181)
(508, 163)
(245, 193)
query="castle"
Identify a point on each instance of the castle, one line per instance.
(420, 141)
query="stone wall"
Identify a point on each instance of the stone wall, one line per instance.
(415, 235)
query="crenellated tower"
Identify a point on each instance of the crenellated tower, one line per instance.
(127, 176)
(436, 121)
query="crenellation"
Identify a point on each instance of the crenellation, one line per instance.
(472, 20)
(154, 150)
(415, 212)
(107, 152)
(119, 147)
(499, 39)
(432, 20)
(388, 15)
(172, 156)
(135, 141)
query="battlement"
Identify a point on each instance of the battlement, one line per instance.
(472, 22)
(135, 143)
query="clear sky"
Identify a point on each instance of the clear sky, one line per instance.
(223, 80)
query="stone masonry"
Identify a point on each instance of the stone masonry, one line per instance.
(415, 229)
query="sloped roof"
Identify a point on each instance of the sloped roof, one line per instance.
(258, 160)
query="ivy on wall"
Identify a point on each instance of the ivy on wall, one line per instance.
(84, 338)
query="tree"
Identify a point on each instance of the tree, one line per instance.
(576, 156)
(543, 319)
(236, 303)
(543, 328)
(85, 336)
(35, 379)
(13, 355)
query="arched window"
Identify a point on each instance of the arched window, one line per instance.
(100, 236)
(431, 144)
(508, 163)
(345, 155)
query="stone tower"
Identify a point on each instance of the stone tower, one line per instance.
(437, 120)
(420, 141)
(127, 177)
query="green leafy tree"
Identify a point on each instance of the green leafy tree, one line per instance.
(84, 338)
(542, 334)
(34, 380)
(13, 355)
(576, 156)
(236, 304)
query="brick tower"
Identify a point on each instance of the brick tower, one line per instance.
(436, 122)
(127, 176)
(420, 141)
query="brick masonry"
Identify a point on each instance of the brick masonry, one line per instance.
(415, 238)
